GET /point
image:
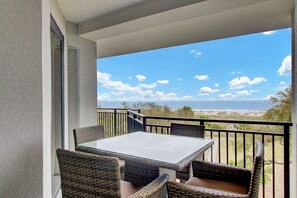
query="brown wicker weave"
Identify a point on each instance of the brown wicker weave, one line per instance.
(223, 173)
(190, 131)
(90, 176)
(139, 173)
(92, 133)
(88, 134)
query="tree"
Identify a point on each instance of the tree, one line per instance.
(282, 109)
(185, 111)
(167, 111)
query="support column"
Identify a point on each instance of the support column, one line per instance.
(294, 103)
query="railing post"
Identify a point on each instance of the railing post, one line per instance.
(202, 122)
(134, 122)
(144, 124)
(286, 161)
(115, 122)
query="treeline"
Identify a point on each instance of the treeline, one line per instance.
(153, 109)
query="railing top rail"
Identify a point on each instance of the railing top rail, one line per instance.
(136, 113)
(215, 120)
(110, 108)
(227, 131)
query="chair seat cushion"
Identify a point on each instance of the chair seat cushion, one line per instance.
(218, 185)
(127, 189)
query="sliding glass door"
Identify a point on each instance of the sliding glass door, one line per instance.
(57, 73)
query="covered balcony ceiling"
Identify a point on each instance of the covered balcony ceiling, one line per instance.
(128, 26)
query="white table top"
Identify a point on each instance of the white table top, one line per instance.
(170, 149)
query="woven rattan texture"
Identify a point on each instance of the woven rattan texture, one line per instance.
(88, 134)
(221, 172)
(189, 131)
(84, 175)
(140, 174)
(91, 176)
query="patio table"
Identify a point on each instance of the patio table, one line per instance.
(168, 152)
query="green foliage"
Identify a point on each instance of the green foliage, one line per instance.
(243, 127)
(282, 109)
(212, 125)
(185, 111)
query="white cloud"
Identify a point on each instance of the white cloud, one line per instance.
(196, 53)
(147, 86)
(282, 83)
(163, 81)
(217, 85)
(120, 88)
(140, 77)
(269, 32)
(187, 97)
(118, 93)
(179, 79)
(104, 96)
(104, 79)
(235, 72)
(201, 77)
(207, 90)
(286, 67)
(162, 96)
(245, 92)
(238, 83)
(130, 77)
(269, 97)
(227, 95)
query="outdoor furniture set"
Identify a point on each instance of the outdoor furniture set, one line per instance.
(144, 164)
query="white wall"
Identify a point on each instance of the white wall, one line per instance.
(25, 94)
(73, 113)
(21, 137)
(87, 86)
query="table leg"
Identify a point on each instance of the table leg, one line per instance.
(198, 158)
(170, 172)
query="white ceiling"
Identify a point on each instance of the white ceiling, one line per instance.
(139, 25)
(78, 11)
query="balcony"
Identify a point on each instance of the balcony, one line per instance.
(233, 145)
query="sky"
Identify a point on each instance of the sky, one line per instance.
(249, 67)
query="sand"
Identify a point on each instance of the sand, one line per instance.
(251, 113)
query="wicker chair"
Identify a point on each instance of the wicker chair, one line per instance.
(217, 180)
(190, 131)
(92, 133)
(90, 176)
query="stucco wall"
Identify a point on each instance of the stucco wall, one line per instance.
(21, 98)
(25, 94)
(87, 77)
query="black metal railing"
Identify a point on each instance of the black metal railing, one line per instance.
(234, 142)
(114, 120)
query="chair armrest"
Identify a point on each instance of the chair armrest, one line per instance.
(177, 190)
(156, 188)
(222, 172)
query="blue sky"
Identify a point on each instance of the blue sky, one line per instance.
(250, 67)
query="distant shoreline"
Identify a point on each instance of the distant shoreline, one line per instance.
(236, 106)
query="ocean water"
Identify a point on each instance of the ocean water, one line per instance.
(251, 105)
